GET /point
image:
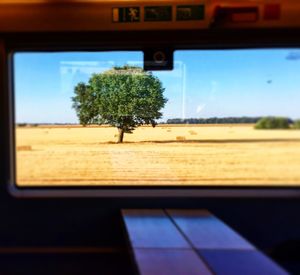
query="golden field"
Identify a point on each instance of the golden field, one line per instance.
(165, 155)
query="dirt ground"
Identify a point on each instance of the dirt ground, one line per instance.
(165, 155)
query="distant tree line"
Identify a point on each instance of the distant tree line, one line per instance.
(27, 124)
(24, 124)
(214, 120)
(260, 122)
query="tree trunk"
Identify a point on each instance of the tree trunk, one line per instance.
(121, 135)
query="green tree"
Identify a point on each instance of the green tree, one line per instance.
(273, 123)
(124, 97)
(297, 124)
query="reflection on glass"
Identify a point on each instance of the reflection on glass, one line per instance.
(227, 117)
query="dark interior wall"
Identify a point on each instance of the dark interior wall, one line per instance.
(97, 222)
(272, 224)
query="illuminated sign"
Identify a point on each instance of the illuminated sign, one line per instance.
(159, 13)
(126, 15)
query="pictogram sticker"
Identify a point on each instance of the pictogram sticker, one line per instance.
(126, 15)
(158, 13)
(190, 12)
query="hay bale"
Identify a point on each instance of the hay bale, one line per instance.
(24, 148)
(193, 133)
(180, 138)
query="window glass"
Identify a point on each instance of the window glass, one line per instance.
(221, 117)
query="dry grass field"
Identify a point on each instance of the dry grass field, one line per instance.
(165, 155)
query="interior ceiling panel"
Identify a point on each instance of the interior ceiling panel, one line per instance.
(100, 15)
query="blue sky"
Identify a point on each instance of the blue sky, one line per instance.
(203, 83)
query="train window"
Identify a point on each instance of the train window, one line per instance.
(221, 117)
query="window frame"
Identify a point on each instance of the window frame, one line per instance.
(134, 41)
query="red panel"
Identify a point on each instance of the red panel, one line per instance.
(272, 12)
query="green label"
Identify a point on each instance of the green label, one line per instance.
(126, 15)
(158, 13)
(190, 12)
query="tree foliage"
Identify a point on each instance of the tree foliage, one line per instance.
(297, 124)
(124, 97)
(273, 123)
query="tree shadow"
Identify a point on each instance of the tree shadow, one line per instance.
(206, 141)
(223, 141)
